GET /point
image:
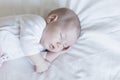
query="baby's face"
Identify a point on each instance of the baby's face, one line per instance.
(56, 39)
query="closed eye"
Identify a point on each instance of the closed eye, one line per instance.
(65, 48)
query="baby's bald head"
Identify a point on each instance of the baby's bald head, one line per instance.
(67, 19)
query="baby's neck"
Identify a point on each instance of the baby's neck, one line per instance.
(45, 50)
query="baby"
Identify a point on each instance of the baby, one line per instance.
(55, 35)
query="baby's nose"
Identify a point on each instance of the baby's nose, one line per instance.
(58, 45)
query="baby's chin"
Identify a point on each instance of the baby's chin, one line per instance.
(54, 51)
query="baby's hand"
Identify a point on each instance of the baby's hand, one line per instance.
(39, 68)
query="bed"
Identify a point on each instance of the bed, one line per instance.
(95, 56)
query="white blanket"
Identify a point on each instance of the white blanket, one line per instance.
(96, 55)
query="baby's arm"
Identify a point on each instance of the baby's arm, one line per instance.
(31, 27)
(40, 64)
(50, 57)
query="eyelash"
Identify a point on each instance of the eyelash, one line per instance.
(66, 48)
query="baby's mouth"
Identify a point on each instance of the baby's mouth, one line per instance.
(51, 46)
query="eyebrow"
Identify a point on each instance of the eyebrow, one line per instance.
(63, 44)
(61, 36)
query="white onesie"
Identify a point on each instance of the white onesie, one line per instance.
(20, 36)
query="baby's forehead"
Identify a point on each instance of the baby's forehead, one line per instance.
(70, 31)
(69, 36)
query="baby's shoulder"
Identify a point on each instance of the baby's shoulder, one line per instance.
(34, 19)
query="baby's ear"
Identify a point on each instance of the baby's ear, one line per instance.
(52, 18)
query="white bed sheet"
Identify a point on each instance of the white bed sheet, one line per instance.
(96, 55)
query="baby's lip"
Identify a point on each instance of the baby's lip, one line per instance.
(51, 46)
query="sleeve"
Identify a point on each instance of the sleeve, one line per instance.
(31, 29)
